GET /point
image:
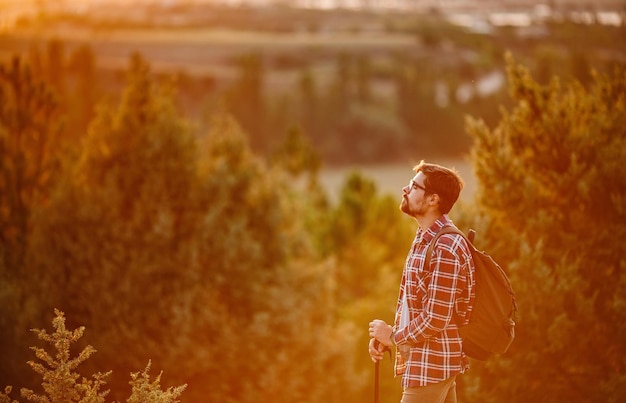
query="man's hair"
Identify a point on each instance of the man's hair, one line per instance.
(442, 181)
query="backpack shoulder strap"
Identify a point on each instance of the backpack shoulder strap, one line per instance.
(446, 229)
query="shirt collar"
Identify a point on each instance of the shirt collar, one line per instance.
(427, 235)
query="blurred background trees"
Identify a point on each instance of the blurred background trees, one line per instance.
(186, 252)
(553, 194)
(30, 150)
(183, 220)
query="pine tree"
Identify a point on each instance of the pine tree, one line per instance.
(553, 192)
(29, 131)
(113, 246)
(243, 218)
(63, 384)
(30, 127)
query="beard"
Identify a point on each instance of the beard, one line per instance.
(405, 207)
(411, 211)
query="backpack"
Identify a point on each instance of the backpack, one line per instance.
(491, 327)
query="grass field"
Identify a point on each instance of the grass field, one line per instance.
(216, 42)
(210, 52)
(222, 37)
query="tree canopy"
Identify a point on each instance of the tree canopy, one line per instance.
(553, 188)
(189, 249)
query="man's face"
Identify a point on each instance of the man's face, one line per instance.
(413, 197)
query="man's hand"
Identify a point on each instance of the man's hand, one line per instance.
(376, 350)
(380, 331)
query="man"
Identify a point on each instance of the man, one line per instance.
(433, 300)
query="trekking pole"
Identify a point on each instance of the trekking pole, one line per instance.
(376, 375)
(376, 369)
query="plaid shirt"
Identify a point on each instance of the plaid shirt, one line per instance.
(438, 297)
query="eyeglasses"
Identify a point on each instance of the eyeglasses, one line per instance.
(414, 186)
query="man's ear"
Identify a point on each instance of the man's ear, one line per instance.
(433, 199)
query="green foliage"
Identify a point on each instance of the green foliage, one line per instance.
(274, 306)
(30, 153)
(5, 397)
(29, 129)
(367, 237)
(61, 383)
(120, 222)
(553, 189)
(189, 252)
(296, 154)
(243, 206)
(145, 391)
(191, 249)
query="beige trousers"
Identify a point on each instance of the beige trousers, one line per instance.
(442, 392)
